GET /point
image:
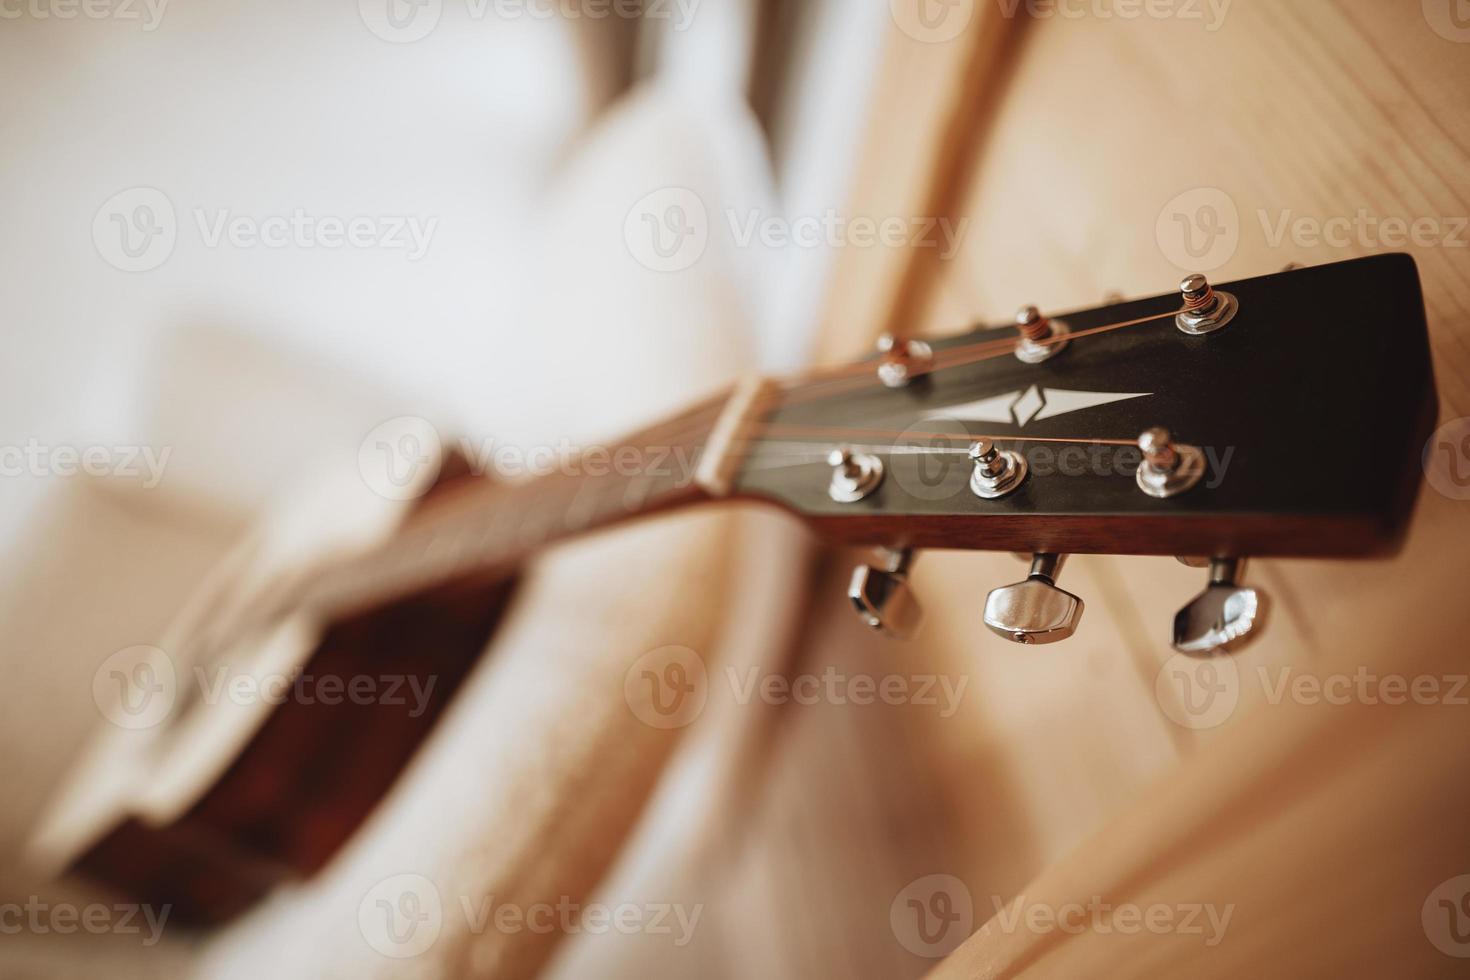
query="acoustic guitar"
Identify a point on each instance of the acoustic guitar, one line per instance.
(1283, 415)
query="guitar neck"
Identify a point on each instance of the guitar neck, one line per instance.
(472, 526)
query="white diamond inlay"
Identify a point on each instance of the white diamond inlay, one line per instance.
(1034, 404)
(1027, 406)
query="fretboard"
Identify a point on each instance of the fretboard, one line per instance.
(479, 526)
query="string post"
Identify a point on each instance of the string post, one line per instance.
(997, 472)
(1206, 309)
(903, 361)
(1168, 468)
(854, 475)
(1041, 337)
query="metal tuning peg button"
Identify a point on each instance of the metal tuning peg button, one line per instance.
(903, 360)
(1041, 338)
(1205, 308)
(1168, 468)
(1223, 616)
(881, 595)
(997, 472)
(1034, 611)
(854, 475)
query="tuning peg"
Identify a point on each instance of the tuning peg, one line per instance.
(1041, 337)
(854, 475)
(1223, 616)
(881, 595)
(1206, 309)
(903, 360)
(1034, 611)
(996, 473)
(1168, 468)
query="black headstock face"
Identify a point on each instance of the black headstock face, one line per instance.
(1310, 408)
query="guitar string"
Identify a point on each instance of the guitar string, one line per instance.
(864, 371)
(954, 357)
(840, 432)
(700, 419)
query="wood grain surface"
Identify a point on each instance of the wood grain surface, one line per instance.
(1102, 772)
(1327, 826)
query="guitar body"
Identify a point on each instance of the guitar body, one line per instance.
(319, 762)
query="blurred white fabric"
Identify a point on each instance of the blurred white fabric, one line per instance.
(527, 319)
(646, 343)
(239, 371)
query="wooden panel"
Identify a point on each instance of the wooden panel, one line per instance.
(1327, 826)
(930, 111)
(1081, 770)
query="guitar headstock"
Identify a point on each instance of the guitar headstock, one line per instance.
(1295, 407)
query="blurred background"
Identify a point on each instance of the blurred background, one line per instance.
(241, 237)
(492, 152)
